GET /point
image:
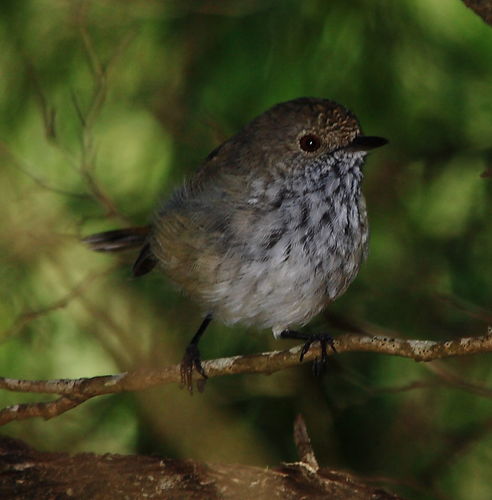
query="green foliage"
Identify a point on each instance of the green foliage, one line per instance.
(106, 106)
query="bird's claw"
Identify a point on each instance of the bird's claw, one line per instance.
(191, 360)
(319, 363)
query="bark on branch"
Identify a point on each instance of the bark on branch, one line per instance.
(26, 473)
(481, 7)
(73, 392)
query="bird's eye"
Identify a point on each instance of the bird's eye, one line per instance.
(310, 143)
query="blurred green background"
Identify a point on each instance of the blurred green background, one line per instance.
(106, 106)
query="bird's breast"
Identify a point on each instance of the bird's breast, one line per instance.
(284, 264)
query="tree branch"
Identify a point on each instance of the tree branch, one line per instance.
(76, 391)
(28, 473)
(481, 7)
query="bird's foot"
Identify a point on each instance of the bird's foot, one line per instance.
(192, 361)
(325, 340)
(319, 363)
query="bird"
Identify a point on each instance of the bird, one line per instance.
(270, 229)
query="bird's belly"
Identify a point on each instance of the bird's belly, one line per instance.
(287, 286)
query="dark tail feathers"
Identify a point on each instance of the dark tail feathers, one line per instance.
(125, 239)
(117, 240)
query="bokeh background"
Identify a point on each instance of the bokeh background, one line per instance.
(106, 106)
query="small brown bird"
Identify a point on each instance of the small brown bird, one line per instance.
(270, 229)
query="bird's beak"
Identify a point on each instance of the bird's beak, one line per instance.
(365, 143)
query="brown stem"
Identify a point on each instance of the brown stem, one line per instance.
(76, 391)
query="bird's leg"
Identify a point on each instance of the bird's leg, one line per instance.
(191, 359)
(324, 339)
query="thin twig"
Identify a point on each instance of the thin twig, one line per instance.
(79, 390)
(303, 444)
(28, 170)
(28, 316)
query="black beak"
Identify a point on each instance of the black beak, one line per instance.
(365, 143)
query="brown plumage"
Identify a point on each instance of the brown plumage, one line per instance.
(273, 225)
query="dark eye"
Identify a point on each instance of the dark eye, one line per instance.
(309, 143)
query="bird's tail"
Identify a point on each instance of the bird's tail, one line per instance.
(125, 239)
(117, 240)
